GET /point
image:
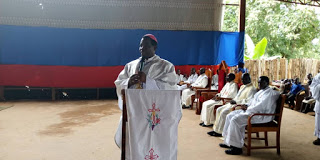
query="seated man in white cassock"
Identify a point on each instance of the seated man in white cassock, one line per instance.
(264, 101)
(245, 94)
(215, 81)
(228, 91)
(201, 82)
(191, 79)
(147, 72)
(180, 76)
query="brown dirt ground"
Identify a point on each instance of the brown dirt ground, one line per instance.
(84, 130)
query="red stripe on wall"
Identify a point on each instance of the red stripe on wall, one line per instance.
(58, 76)
(68, 76)
(185, 69)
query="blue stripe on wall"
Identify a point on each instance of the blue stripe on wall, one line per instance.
(114, 47)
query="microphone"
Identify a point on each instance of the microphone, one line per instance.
(141, 64)
(140, 85)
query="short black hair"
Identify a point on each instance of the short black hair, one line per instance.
(240, 64)
(153, 42)
(265, 78)
(232, 76)
(246, 75)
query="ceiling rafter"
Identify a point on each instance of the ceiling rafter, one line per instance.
(315, 3)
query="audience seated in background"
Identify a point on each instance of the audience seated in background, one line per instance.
(244, 95)
(264, 101)
(308, 102)
(180, 76)
(215, 82)
(191, 79)
(228, 91)
(295, 89)
(238, 72)
(201, 82)
(309, 76)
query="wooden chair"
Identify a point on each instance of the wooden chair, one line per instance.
(224, 101)
(299, 98)
(273, 126)
(205, 95)
(199, 90)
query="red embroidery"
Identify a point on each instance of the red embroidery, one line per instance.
(151, 156)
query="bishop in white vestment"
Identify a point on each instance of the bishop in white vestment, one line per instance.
(149, 72)
(264, 101)
(228, 91)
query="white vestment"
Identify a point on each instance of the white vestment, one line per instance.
(180, 78)
(228, 91)
(160, 75)
(192, 78)
(214, 83)
(244, 95)
(264, 101)
(315, 91)
(201, 82)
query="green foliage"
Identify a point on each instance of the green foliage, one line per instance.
(260, 49)
(247, 57)
(289, 28)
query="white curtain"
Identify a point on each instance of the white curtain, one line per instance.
(114, 14)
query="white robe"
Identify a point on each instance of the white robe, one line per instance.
(160, 75)
(315, 90)
(201, 82)
(180, 78)
(244, 95)
(192, 78)
(228, 91)
(214, 83)
(264, 101)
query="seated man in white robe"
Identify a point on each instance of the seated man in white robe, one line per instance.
(215, 82)
(201, 82)
(180, 76)
(228, 91)
(147, 72)
(264, 101)
(245, 94)
(315, 90)
(191, 79)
